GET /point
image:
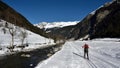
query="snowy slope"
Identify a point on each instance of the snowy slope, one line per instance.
(34, 40)
(55, 24)
(102, 55)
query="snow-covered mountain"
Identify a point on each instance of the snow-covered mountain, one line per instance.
(103, 22)
(103, 53)
(48, 25)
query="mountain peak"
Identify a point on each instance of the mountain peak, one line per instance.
(48, 25)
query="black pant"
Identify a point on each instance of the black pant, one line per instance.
(86, 53)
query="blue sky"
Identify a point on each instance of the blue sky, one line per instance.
(37, 11)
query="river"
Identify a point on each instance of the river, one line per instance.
(28, 59)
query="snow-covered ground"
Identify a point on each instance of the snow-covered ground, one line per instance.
(33, 40)
(103, 53)
(56, 24)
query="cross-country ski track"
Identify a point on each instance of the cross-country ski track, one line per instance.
(102, 54)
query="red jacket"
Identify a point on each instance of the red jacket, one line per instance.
(85, 46)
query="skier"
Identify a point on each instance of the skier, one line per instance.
(86, 47)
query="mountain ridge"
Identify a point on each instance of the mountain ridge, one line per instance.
(10, 15)
(104, 22)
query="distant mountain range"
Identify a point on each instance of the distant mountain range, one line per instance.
(103, 22)
(48, 25)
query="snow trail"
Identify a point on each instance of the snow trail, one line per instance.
(102, 54)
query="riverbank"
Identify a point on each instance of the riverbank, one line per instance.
(29, 59)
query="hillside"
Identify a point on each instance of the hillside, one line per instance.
(10, 15)
(106, 21)
(31, 39)
(57, 28)
(103, 22)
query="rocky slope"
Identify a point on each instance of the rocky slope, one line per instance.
(104, 22)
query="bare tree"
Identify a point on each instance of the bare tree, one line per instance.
(0, 45)
(23, 35)
(12, 30)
